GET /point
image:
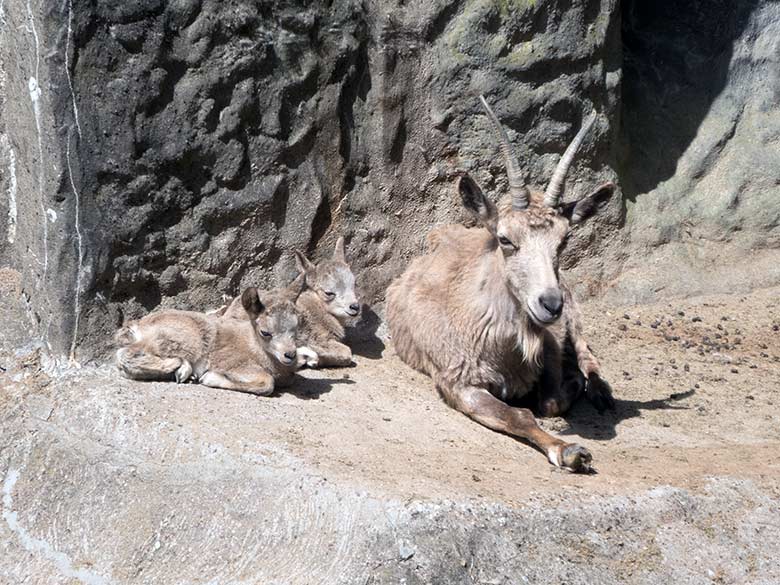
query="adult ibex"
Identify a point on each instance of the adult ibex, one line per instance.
(481, 312)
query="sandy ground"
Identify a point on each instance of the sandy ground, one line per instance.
(363, 475)
(697, 385)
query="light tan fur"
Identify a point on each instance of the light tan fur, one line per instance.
(254, 354)
(480, 311)
(327, 305)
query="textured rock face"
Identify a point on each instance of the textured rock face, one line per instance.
(701, 176)
(187, 147)
(161, 153)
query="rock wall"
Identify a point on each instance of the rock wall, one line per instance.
(173, 152)
(167, 153)
(701, 171)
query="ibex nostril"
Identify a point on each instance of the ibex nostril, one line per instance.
(290, 355)
(552, 301)
(355, 307)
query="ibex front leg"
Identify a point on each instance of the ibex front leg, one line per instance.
(487, 410)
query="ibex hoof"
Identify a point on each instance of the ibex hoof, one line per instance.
(308, 357)
(183, 372)
(576, 458)
(550, 408)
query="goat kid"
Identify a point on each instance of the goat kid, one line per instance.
(254, 354)
(327, 305)
(478, 312)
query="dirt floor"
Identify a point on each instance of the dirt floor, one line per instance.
(696, 383)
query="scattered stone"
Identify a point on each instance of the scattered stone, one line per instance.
(655, 324)
(734, 371)
(405, 552)
(638, 323)
(687, 368)
(625, 316)
(696, 319)
(681, 313)
(622, 327)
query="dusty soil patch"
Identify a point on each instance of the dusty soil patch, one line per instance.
(360, 470)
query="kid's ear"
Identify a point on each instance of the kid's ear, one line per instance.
(295, 288)
(250, 300)
(338, 253)
(303, 263)
(479, 206)
(578, 211)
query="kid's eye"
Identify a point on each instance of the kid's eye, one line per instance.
(504, 241)
(265, 333)
(330, 295)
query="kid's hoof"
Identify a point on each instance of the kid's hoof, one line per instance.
(183, 372)
(599, 393)
(576, 458)
(308, 357)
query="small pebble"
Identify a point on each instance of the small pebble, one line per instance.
(681, 313)
(625, 316)
(622, 327)
(687, 368)
(734, 371)
(696, 319)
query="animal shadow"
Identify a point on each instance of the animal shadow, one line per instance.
(363, 338)
(306, 388)
(586, 422)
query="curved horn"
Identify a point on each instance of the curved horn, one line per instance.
(555, 187)
(517, 186)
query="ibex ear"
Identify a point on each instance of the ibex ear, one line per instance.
(338, 253)
(250, 300)
(475, 201)
(295, 288)
(578, 211)
(303, 263)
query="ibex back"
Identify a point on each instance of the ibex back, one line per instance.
(477, 312)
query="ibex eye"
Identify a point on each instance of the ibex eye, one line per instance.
(330, 295)
(265, 333)
(504, 241)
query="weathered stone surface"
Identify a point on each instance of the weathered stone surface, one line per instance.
(701, 172)
(203, 141)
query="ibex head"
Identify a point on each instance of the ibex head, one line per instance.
(529, 229)
(275, 320)
(333, 282)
